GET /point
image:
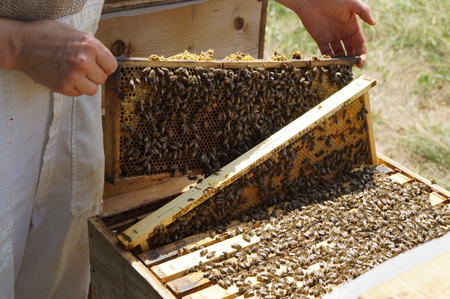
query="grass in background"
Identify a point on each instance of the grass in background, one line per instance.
(432, 144)
(409, 55)
(414, 31)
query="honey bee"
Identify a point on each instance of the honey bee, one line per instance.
(336, 119)
(204, 252)
(132, 85)
(185, 169)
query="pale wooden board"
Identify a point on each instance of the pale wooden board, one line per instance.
(113, 5)
(217, 292)
(436, 199)
(195, 28)
(176, 268)
(428, 280)
(399, 178)
(170, 251)
(118, 197)
(383, 160)
(228, 174)
(373, 153)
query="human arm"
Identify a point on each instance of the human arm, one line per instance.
(55, 55)
(331, 21)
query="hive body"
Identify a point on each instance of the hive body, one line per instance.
(297, 215)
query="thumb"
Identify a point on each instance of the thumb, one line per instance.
(363, 11)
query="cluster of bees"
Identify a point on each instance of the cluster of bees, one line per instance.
(334, 147)
(335, 232)
(176, 120)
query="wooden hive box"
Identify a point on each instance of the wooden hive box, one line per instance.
(139, 28)
(161, 272)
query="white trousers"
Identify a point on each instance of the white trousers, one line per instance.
(51, 181)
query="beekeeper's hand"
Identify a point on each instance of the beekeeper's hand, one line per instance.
(55, 55)
(330, 22)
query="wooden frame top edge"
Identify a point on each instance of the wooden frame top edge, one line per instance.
(135, 61)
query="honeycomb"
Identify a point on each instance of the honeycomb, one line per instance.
(175, 120)
(335, 146)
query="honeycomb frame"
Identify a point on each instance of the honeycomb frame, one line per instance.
(167, 141)
(346, 121)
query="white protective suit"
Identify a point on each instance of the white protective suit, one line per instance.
(51, 181)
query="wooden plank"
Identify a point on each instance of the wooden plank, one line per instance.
(436, 199)
(262, 29)
(188, 284)
(170, 251)
(373, 153)
(144, 195)
(217, 292)
(428, 280)
(400, 178)
(195, 196)
(115, 272)
(383, 160)
(173, 269)
(188, 28)
(338, 60)
(173, 63)
(111, 4)
(111, 134)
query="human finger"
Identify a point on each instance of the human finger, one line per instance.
(72, 93)
(106, 60)
(363, 11)
(86, 86)
(338, 50)
(97, 75)
(363, 61)
(325, 49)
(349, 48)
(359, 42)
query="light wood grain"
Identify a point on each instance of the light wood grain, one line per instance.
(170, 251)
(217, 292)
(436, 199)
(428, 280)
(195, 28)
(383, 160)
(400, 178)
(114, 5)
(373, 153)
(176, 268)
(195, 196)
(119, 197)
